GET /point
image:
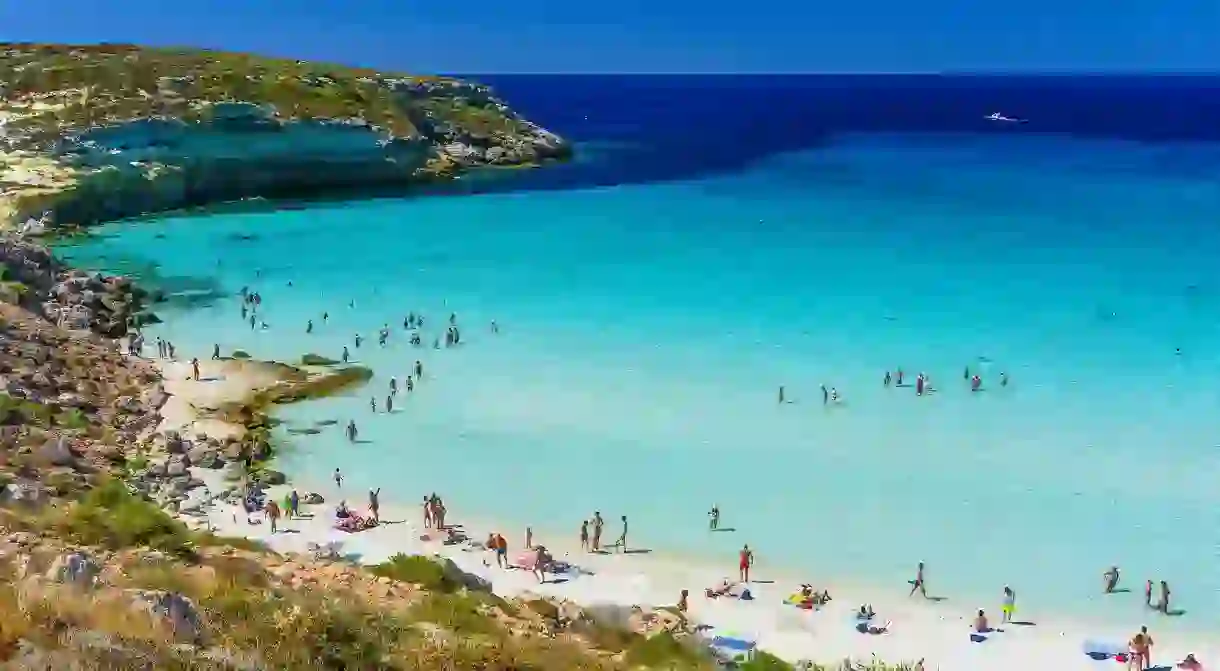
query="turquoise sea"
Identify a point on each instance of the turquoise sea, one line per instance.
(646, 325)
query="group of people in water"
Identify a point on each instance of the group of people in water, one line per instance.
(897, 378)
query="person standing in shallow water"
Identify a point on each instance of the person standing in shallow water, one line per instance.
(195, 369)
(745, 559)
(352, 432)
(1110, 580)
(375, 504)
(346, 355)
(919, 584)
(216, 352)
(338, 479)
(887, 380)
(1010, 605)
(1164, 607)
(584, 535)
(419, 369)
(825, 395)
(713, 522)
(597, 531)
(621, 543)
(781, 394)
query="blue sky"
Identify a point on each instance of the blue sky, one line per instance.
(488, 36)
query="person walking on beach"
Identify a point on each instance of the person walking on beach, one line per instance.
(919, 584)
(1141, 650)
(273, 513)
(1010, 605)
(584, 535)
(195, 369)
(540, 560)
(621, 543)
(745, 559)
(294, 504)
(352, 431)
(713, 522)
(375, 504)
(1110, 580)
(529, 538)
(597, 531)
(338, 479)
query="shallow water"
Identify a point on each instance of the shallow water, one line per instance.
(645, 330)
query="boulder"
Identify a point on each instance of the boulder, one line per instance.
(176, 611)
(470, 581)
(56, 452)
(75, 568)
(313, 499)
(23, 493)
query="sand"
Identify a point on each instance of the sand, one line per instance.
(937, 632)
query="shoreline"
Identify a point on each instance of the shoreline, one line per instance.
(938, 633)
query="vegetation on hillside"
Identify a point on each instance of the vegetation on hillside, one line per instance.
(65, 86)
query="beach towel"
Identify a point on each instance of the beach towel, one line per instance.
(1099, 650)
(732, 648)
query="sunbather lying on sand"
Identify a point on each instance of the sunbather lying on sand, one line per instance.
(723, 589)
(353, 523)
(1190, 664)
(867, 628)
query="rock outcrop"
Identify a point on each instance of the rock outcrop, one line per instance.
(94, 133)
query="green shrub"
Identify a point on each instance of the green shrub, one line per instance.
(459, 613)
(72, 419)
(421, 571)
(663, 651)
(111, 516)
(240, 354)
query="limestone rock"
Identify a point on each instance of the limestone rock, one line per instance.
(76, 568)
(177, 611)
(56, 452)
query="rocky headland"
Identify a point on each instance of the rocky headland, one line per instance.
(91, 133)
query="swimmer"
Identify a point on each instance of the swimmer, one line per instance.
(338, 479)
(976, 383)
(1003, 379)
(309, 326)
(357, 341)
(781, 394)
(887, 380)
(825, 395)
(495, 328)
(325, 317)
(834, 395)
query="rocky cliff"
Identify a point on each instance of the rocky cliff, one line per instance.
(93, 133)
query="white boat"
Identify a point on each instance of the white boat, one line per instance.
(996, 116)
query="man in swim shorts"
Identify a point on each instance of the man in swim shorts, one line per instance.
(745, 560)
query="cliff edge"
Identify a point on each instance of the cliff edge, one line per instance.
(101, 132)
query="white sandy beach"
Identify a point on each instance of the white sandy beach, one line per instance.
(936, 632)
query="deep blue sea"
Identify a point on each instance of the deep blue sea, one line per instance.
(719, 237)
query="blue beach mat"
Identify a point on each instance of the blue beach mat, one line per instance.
(1100, 650)
(732, 647)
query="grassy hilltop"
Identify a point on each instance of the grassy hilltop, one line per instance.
(56, 96)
